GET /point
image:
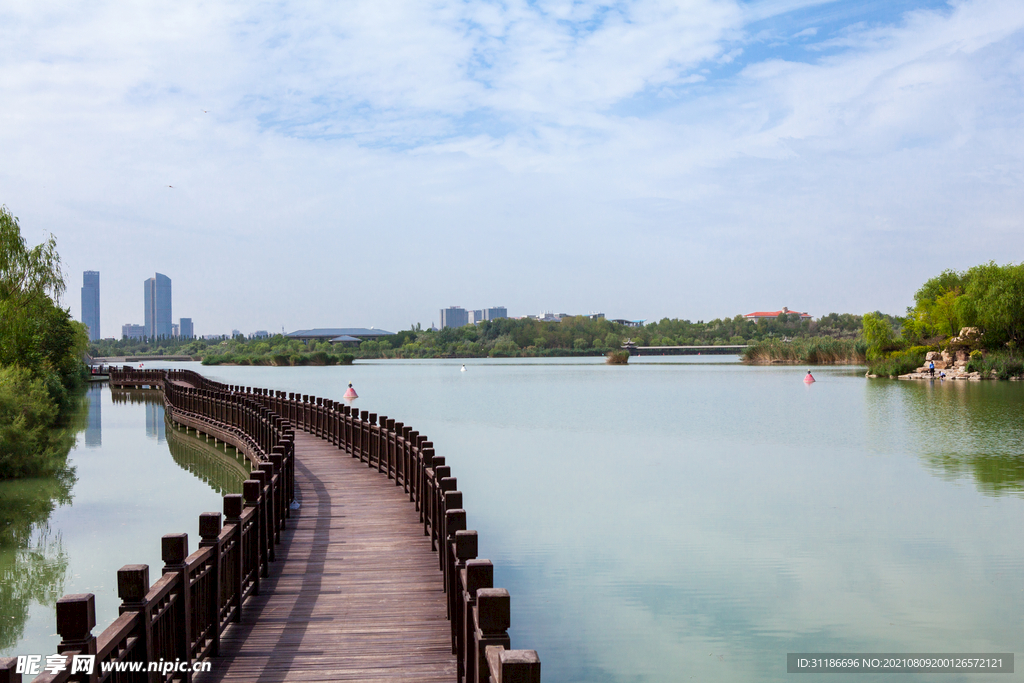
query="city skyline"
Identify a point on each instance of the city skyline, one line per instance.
(643, 158)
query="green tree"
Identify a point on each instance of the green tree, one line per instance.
(878, 334)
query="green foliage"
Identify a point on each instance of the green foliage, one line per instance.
(988, 296)
(32, 442)
(41, 351)
(878, 335)
(899, 362)
(1001, 364)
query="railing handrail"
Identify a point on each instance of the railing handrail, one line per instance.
(259, 422)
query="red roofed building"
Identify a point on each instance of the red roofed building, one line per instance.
(757, 316)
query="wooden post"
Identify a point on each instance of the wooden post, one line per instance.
(513, 666)
(209, 537)
(479, 574)
(175, 551)
(76, 617)
(452, 500)
(253, 490)
(132, 586)
(233, 506)
(9, 669)
(266, 522)
(465, 548)
(493, 617)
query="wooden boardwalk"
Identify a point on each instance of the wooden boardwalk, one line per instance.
(355, 593)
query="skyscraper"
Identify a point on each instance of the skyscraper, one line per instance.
(185, 328)
(91, 302)
(158, 306)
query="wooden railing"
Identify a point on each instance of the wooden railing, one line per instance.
(182, 615)
(478, 612)
(180, 618)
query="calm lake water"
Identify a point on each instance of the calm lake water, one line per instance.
(682, 518)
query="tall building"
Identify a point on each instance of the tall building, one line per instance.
(185, 328)
(495, 313)
(91, 303)
(158, 306)
(454, 316)
(476, 316)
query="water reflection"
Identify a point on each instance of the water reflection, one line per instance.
(33, 560)
(223, 471)
(94, 421)
(959, 430)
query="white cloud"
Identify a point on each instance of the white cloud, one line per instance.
(368, 144)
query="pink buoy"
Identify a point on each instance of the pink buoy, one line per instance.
(351, 393)
(808, 378)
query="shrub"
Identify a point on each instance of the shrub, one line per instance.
(29, 443)
(617, 358)
(899, 362)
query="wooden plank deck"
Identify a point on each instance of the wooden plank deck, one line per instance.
(355, 593)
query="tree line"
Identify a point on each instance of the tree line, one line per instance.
(41, 356)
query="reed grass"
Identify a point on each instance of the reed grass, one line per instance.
(807, 351)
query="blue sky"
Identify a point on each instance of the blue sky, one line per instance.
(368, 163)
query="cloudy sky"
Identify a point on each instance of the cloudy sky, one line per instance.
(365, 163)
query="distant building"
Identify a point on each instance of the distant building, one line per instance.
(629, 323)
(495, 313)
(454, 316)
(261, 334)
(331, 333)
(158, 307)
(476, 317)
(185, 329)
(758, 316)
(131, 331)
(91, 303)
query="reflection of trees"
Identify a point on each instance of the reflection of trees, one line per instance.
(966, 429)
(33, 563)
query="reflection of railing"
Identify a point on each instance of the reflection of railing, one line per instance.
(181, 616)
(220, 470)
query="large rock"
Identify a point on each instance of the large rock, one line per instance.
(933, 355)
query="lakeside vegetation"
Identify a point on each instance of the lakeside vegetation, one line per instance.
(41, 348)
(503, 338)
(988, 298)
(808, 351)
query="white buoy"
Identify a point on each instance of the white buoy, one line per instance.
(463, 368)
